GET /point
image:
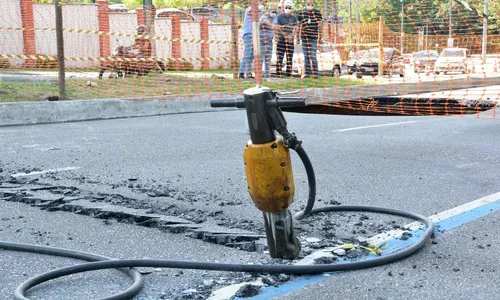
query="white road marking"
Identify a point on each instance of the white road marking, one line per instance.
(467, 165)
(391, 234)
(228, 292)
(374, 126)
(45, 172)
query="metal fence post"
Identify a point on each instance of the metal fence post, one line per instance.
(234, 41)
(60, 50)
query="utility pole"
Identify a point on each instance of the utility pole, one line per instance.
(485, 30)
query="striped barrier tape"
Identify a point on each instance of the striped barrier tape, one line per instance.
(119, 59)
(164, 38)
(121, 34)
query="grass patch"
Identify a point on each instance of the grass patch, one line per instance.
(29, 91)
(154, 85)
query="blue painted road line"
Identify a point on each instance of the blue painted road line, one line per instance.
(392, 246)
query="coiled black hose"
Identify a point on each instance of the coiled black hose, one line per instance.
(101, 262)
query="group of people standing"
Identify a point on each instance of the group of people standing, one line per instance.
(281, 25)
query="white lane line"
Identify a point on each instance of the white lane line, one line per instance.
(374, 126)
(228, 292)
(391, 234)
(45, 172)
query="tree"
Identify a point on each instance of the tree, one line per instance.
(467, 15)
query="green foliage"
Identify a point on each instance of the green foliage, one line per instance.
(466, 15)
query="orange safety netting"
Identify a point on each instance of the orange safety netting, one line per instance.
(378, 57)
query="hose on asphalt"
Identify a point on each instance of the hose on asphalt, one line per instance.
(96, 262)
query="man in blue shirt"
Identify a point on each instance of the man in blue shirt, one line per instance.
(309, 24)
(285, 31)
(266, 38)
(247, 61)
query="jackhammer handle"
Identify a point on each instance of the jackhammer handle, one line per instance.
(238, 102)
(289, 102)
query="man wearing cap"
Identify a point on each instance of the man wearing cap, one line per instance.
(309, 21)
(286, 30)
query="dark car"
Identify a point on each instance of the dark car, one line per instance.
(205, 12)
(356, 60)
(392, 63)
(424, 60)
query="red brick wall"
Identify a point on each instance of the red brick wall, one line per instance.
(205, 47)
(104, 40)
(29, 34)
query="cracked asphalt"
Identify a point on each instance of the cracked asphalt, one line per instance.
(190, 166)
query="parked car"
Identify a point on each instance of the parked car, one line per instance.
(117, 8)
(392, 63)
(453, 60)
(170, 12)
(356, 60)
(329, 61)
(204, 12)
(424, 60)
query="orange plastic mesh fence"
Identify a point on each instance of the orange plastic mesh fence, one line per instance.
(380, 57)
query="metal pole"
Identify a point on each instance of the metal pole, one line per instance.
(485, 30)
(427, 35)
(60, 51)
(234, 41)
(358, 26)
(256, 42)
(380, 47)
(402, 31)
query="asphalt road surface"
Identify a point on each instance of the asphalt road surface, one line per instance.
(189, 166)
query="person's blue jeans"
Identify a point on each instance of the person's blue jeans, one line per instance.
(310, 47)
(266, 51)
(247, 61)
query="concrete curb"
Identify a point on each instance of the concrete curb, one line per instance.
(23, 113)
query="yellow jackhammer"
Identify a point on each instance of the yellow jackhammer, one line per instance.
(268, 165)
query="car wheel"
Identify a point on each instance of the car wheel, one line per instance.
(437, 73)
(359, 76)
(336, 72)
